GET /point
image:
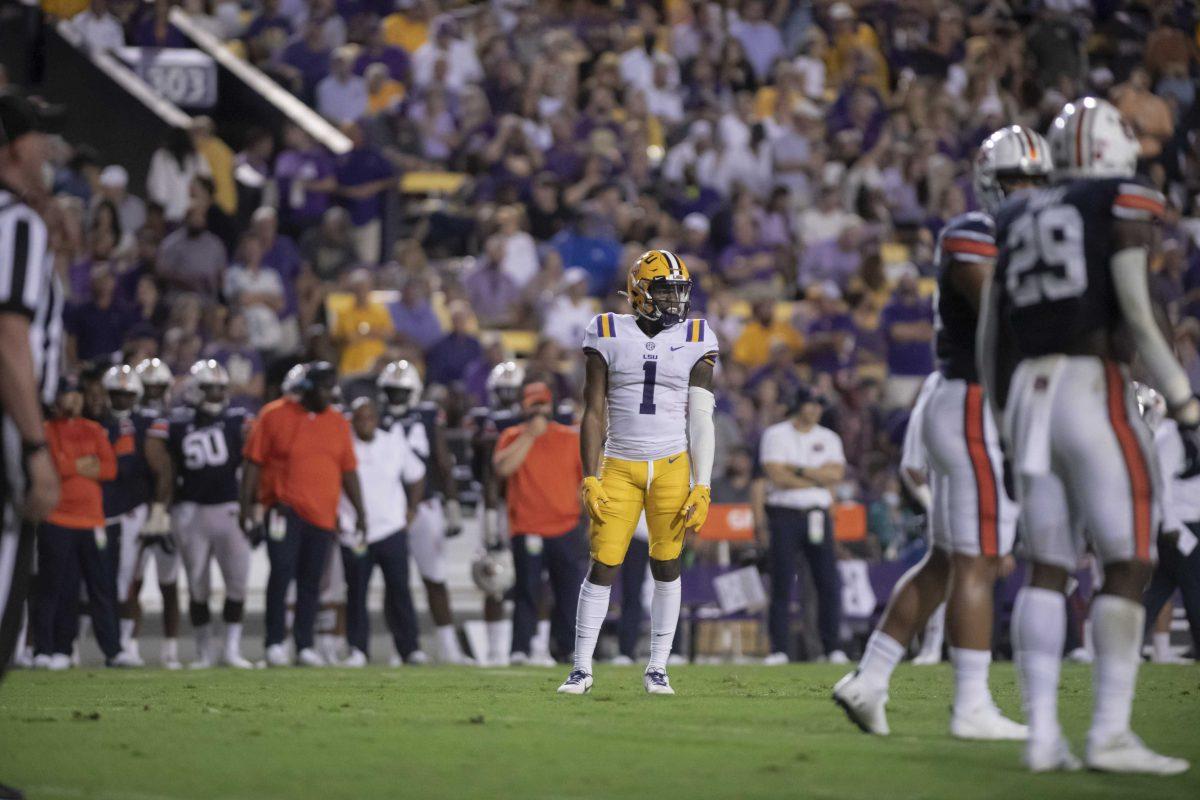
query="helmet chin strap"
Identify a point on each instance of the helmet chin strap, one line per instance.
(122, 413)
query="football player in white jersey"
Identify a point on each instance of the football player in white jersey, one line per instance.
(647, 445)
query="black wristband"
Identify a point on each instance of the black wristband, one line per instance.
(29, 448)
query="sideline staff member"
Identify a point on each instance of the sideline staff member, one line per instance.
(385, 463)
(71, 541)
(307, 445)
(540, 461)
(802, 462)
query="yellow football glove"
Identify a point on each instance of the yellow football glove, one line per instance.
(594, 497)
(695, 508)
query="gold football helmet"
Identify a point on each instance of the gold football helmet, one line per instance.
(659, 287)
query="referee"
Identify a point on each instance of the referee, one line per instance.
(802, 462)
(30, 350)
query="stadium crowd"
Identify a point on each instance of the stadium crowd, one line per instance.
(801, 156)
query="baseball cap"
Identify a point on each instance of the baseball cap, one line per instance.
(575, 275)
(803, 396)
(21, 115)
(535, 393)
(68, 383)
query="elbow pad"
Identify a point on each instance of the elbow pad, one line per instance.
(701, 434)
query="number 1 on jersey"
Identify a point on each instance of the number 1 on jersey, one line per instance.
(650, 368)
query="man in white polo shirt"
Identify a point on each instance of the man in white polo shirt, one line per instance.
(385, 464)
(802, 462)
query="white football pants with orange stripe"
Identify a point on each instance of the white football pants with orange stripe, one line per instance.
(971, 515)
(1085, 462)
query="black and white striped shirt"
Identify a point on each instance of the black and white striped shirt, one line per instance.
(29, 286)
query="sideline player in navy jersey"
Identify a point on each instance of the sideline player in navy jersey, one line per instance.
(126, 507)
(973, 520)
(503, 411)
(438, 516)
(1067, 308)
(200, 447)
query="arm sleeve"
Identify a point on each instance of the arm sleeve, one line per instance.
(985, 345)
(159, 429)
(701, 434)
(1133, 296)
(770, 450)
(837, 455)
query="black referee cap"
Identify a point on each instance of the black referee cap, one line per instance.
(21, 115)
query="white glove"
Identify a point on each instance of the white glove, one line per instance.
(159, 521)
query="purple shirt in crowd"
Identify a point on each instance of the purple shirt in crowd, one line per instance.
(907, 358)
(825, 261)
(447, 361)
(313, 65)
(284, 258)
(356, 168)
(828, 360)
(302, 207)
(394, 58)
(419, 324)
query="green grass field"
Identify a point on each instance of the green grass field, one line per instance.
(733, 731)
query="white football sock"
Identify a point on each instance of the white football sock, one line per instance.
(1039, 629)
(233, 639)
(539, 647)
(1162, 645)
(1118, 630)
(203, 642)
(593, 608)
(970, 678)
(447, 642)
(497, 643)
(664, 616)
(127, 626)
(170, 650)
(880, 658)
(935, 633)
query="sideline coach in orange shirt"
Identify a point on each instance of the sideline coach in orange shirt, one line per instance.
(539, 459)
(307, 446)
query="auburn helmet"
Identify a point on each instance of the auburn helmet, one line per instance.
(1090, 139)
(208, 386)
(124, 389)
(1011, 153)
(400, 383)
(504, 384)
(156, 380)
(659, 287)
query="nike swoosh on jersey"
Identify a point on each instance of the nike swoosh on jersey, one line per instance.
(676, 347)
(672, 460)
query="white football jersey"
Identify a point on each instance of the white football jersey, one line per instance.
(648, 382)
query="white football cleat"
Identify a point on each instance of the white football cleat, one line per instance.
(775, 660)
(621, 661)
(277, 656)
(864, 704)
(59, 662)
(518, 659)
(839, 657)
(355, 660)
(924, 659)
(657, 682)
(1053, 756)
(1125, 752)
(206, 661)
(578, 682)
(172, 665)
(42, 661)
(125, 658)
(418, 658)
(24, 658)
(1080, 655)
(985, 723)
(236, 661)
(309, 657)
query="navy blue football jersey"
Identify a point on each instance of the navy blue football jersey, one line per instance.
(132, 486)
(966, 239)
(420, 425)
(206, 452)
(1052, 277)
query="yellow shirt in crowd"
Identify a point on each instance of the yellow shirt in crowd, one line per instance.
(362, 332)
